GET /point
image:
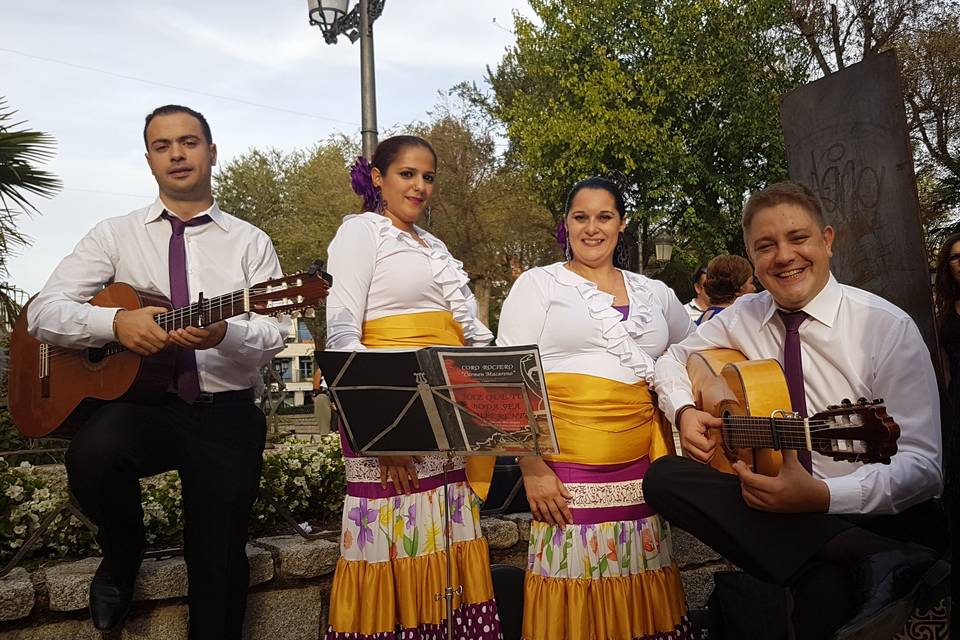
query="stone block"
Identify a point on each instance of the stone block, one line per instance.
(65, 630)
(284, 614)
(160, 579)
(69, 584)
(698, 585)
(500, 534)
(301, 558)
(688, 551)
(168, 621)
(16, 595)
(261, 565)
(522, 520)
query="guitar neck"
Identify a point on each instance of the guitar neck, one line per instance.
(767, 433)
(206, 312)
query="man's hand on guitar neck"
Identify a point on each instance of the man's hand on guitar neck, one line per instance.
(137, 331)
(694, 426)
(793, 490)
(200, 339)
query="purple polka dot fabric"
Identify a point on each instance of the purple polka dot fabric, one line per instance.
(471, 622)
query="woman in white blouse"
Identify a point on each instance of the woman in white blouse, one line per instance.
(599, 563)
(397, 286)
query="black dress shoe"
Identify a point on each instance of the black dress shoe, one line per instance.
(109, 600)
(890, 585)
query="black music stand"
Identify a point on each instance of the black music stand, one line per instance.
(442, 400)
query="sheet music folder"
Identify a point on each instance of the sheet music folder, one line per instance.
(468, 400)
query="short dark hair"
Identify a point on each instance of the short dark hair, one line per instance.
(726, 275)
(699, 273)
(598, 182)
(780, 193)
(169, 109)
(387, 151)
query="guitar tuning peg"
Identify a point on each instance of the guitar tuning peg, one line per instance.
(862, 401)
(310, 312)
(846, 403)
(878, 401)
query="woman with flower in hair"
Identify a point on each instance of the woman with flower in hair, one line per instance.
(599, 564)
(397, 286)
(728, 278)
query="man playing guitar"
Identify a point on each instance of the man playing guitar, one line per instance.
(207, 426)
(833, 536)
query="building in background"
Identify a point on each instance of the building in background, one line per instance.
(294, 365)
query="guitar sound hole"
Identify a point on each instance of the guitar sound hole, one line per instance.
(96, 355)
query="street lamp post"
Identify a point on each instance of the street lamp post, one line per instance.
(335, 20)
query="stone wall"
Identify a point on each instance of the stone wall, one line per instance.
(289, 588)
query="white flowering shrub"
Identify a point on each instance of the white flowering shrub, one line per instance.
(306, 478)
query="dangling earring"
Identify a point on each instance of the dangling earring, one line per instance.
(621, 255)
(427, 213)
(567, 250)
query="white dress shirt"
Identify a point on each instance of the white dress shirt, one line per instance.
(579, 331)
(225, 255)
(854, 345)
(380, 270)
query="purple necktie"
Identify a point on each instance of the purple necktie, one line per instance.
(793, 371)
(185, 371)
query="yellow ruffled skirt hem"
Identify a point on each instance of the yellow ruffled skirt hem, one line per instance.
(371, 598)
(645, 605)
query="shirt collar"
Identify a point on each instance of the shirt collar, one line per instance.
(823, 308)
(158, 207)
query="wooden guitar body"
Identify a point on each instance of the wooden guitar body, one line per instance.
(752, 398)
(47, 383)
(744, 388)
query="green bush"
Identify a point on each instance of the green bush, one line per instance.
(306, 478)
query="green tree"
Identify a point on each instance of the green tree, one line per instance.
(483, 208)
(679, 99)
(21, 151)
(298, 198)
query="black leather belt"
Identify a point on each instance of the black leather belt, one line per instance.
(225, 397)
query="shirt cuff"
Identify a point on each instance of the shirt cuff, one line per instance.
(100, 323)
(233, 339)
(674, 401)
(846, 495)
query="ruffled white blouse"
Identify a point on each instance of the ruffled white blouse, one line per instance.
(579, 331)
(380, 270)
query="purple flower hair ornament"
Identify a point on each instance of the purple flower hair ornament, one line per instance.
(563, 241)
(362, 184)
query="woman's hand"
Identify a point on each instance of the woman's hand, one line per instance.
(545, 493)
(401, 471)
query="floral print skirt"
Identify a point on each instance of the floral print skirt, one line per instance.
(610, 575)
(392, 561)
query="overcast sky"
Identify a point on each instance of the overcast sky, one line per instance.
(88, 73)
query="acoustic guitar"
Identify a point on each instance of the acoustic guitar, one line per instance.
(53, 388)
(752, 398)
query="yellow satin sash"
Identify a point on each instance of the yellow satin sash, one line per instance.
(428, 329)
(601, 421)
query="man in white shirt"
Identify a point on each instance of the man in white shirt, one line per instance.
(699, 304)
(207, 426)
(833, 536)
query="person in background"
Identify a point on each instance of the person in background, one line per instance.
(700, 302)
(728, 278)
(321, 403)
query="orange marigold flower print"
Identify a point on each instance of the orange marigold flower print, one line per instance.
(647, 538)
(347, 539)
(594, 545)
(611, 550)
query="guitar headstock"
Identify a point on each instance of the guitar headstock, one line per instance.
(298, 294)
(855, 432)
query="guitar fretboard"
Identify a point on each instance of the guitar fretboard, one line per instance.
(768, 433)
(209, 311)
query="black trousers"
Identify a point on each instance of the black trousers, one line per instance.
(778, 547)
(217, 450)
